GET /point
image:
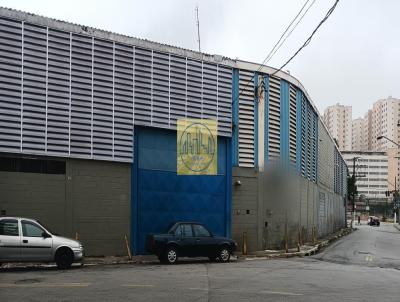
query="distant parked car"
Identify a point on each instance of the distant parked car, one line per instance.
(189, 239)
(27, 240)
(373, 220)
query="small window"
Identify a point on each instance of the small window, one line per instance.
(30, 229)
(184, 230)
(178, 231)
(187, 230)
(200, 231)
(9, 227)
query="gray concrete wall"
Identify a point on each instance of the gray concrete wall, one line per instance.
(245, 206)
(33, 195)
(92, 199)
(99, 195)
(286, 207)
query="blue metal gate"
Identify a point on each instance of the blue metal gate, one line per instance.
(161, 197)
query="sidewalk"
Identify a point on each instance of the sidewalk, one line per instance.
(396, 226)
(305, 250)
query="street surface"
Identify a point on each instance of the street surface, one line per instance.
(363, 266)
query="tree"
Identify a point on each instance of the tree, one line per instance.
(351, 187)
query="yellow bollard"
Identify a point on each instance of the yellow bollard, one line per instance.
(76, 236)
(128, 248)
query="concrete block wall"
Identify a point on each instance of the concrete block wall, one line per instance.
(245, 206)
(33, 195)
(99, 198)
(92, 199)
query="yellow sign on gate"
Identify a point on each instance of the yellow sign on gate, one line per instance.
(197, 147)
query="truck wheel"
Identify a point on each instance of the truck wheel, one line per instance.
(171, 255)
(64, 258)
(224, 254)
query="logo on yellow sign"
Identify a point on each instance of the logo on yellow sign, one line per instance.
(197, 147)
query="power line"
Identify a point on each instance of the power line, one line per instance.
(262, 64)
(287, 28)
(330, 11)
(288, 35)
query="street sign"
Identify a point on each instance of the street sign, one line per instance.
(366, 208)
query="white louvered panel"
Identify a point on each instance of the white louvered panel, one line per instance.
(309, 142)
(10, 85)
(143, 86)
(303, 138)
(274, 118)
(160, 110)
(123, 102)
(81, 96)
(58, 93)
(34, 88)
(80, 92)
(177, 89)
(292, 124)
(224, 91)
(194, 104)
(210, 91)
(103, 99)
(314, 145)
(246, 119)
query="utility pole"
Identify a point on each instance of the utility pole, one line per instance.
(354, 193)
(395, 198)
(198, 26)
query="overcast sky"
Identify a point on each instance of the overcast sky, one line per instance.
(353, 59)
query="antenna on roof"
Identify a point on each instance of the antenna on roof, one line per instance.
(198, 26)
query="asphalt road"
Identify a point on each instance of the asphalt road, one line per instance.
(340, 273)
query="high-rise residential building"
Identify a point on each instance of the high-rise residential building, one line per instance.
(384, 119)
(367, 131)
(372, 173)
(338, 120)
(357, 135)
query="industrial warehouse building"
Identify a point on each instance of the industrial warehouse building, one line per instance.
(88, 140)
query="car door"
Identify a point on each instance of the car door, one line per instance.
(34, 246)
(186, 240)
(205, 243)
(10, 240)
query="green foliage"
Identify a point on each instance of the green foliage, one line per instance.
(351, 186)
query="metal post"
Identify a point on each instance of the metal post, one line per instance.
(354, 176)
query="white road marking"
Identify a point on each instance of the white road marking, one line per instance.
(76, 284)
(281, 293)
(137, 285)
(235, 290)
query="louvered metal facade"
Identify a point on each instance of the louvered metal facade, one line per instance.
(246, 119)
(309, 140)
(292, 124)
(274, 112)
(73, 95)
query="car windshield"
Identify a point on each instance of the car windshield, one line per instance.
(172, 228)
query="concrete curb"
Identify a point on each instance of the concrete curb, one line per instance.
(305, 250)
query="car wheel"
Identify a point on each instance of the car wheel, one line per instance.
(224, 254)
(171, 255)
(64, 258)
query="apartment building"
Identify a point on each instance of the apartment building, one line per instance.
(338, 120)
(372, 177)
(384, 119)
(357, 135)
